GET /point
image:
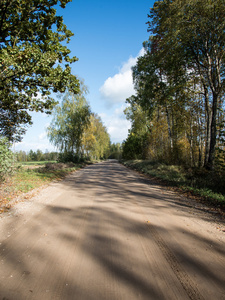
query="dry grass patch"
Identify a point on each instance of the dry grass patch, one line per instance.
(27, 179)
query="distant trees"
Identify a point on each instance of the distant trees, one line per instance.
(76, 131)
(136, 145)
(115, 151)
(96, 140)
(38, 155)
(70, 119)
(34, 61)
(180, 81)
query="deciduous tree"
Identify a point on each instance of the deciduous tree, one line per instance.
(34, 61)
(70, 119)
(96, 140)
(196, 30)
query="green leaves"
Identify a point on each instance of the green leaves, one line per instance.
(33, 61)
(96, 140)
(6, 159)
(180, 78)
(70, 120)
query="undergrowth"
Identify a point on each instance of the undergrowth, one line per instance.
(35, 163)
(210, 186)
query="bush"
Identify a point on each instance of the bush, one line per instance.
(115, 155)
(135, 146)
(71, 157)
(6, 159)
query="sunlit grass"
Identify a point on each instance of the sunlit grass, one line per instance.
(35, 163)
(26, 179)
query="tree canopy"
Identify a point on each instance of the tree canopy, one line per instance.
(191, 35)
(34, 61)
(180, 81)
(96, 140)
(76, 131)
(70, 119)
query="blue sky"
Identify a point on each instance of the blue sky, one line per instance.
(108, 37)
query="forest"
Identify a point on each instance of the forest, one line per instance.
(177, 113)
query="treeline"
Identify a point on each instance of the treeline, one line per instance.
(114, 152)
(177, 113)
(76, 131)
(38, 155)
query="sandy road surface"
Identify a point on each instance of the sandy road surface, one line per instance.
(106, 233)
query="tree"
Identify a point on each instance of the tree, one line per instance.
(115, 151)
(96, 140)
(32, 155)
(39, 155)
(70, 119)
(6, 159)
(135, 146)
(34, 61)
(21, 156)
(139, 117)
(167, 106)
(195, 30)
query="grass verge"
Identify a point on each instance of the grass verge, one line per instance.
(27, 179)
(209, 187)
(36, 163)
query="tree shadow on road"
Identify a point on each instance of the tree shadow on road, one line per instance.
(103, 247)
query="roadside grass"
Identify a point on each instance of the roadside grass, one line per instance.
(35, 163)
(26, 179)
(208, 186)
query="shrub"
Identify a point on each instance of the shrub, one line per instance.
(6, 159)
(71, 157)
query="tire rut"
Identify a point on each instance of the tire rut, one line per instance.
(185, 280)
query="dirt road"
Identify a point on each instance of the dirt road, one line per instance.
(107, 233)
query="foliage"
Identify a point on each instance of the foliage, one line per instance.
(70, 156)
(96, 140)
(199, 182)
(135, 146)
(220, 155)
(70, 119)
(6, 159)
(78, 133)
(190, 35)
(137, 143)
(28, 179)
(179, 83)
(38, 155)
(34, 61)
(115, 151)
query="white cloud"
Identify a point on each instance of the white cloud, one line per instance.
(35, 140)
(119, 87)
(117, 125)
(42, 136)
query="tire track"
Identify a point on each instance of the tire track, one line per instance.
(185, 280)
(187, 283)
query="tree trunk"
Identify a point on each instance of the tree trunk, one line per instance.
(213, 133)
(207, 125)
(169, 128)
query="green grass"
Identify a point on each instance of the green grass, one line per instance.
(26, 179)
(35, 163)
(210, 186)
